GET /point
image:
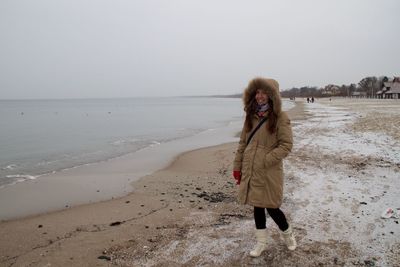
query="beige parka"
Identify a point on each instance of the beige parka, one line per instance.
(260, 162)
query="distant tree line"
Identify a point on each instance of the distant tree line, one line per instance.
(367, 87)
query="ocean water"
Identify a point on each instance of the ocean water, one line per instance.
(44, 136)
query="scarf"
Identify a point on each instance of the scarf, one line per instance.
(261, 109)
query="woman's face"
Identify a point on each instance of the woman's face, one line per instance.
(261, 97)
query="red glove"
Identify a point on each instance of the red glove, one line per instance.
(237, 175)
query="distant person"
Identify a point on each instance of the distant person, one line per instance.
(312, 99)
(265, 140)
(308, 100)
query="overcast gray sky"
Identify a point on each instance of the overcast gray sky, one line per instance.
(121, 48)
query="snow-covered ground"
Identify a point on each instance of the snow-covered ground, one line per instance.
(342, 179)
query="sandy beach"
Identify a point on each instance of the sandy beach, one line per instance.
(342, 174)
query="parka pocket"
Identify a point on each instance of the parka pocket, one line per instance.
(259, 159)
(259, 171)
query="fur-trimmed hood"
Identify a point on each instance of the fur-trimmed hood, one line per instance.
(270, 86)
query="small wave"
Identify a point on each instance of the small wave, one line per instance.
(118, 142)
(10, 167)
(16, 178)
(22, 176)
(49, 162)
(124, 141)
(154, 143)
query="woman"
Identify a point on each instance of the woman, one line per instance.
(258, 167)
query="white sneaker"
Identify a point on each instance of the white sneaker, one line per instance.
(261, 236)
(289, 238)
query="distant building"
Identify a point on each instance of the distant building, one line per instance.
(390, 90)
(330, 90)
(381, 93)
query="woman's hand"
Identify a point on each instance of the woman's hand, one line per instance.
(237, 175)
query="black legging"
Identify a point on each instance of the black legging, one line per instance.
(276, 214)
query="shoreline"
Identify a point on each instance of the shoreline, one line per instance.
(91, 183)
(66, 188)
(52, 137)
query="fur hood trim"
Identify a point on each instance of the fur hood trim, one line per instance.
(270, 86)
